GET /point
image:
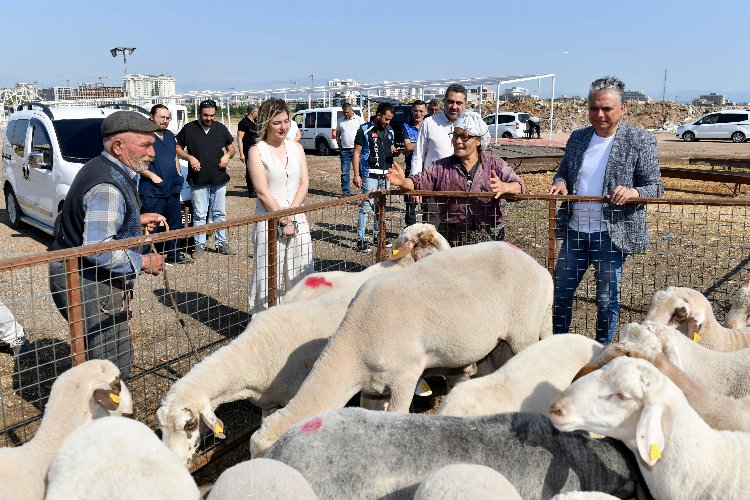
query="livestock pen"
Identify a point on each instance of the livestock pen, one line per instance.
(190, 311)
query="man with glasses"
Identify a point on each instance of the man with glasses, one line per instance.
(434, 141)
(160, 192)
(209, 149)
(468, 169)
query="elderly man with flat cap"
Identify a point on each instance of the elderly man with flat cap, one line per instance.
(469, 169)
(103, 205)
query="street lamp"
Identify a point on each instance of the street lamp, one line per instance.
(125, 52)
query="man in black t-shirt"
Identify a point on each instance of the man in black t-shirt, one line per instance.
(209, 148)
(247, 133)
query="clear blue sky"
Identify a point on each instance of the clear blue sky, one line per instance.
(223, 45)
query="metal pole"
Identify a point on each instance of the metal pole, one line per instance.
(552, 108)
(497, 108)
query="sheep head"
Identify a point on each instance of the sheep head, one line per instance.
(682, 308)
(624, 400)
(418, 241)
(111, 398)
(739, 314)
(181, 429)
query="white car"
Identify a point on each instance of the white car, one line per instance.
(318, 128)
(43, 150)
(507, 124)
(731, 124)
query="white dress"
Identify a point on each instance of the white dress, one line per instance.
(294, 255)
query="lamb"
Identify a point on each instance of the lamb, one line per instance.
(721, 372)
(117, 458)
(739, 314)
(371, 454)
(266, 364)
(85, 392)
(583, 495)
(264, 478)
(679, 455)
(465, 481)
(529, 382)
(675, 305)
(425, 316)
(415, 241)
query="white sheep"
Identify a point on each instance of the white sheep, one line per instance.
(528, 382)
(446, 311)
(676, 305)
(267, 363)
(415, 241)
(262, 478)
(720, 372)
(85, 392)
(466, 481)
(357, 453)
(117, 459)
(583, 495)
(679, 455)
(739, 314)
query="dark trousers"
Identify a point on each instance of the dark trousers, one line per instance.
(248, 179)
(105, 314)
(411, 211)
(171, 210)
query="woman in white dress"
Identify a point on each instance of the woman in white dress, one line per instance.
(278, 168)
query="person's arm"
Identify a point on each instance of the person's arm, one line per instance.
(152, 176)
(304, 180)
(408, 145)
(397, 177)
(228, 155)
(260, 181)
(647, 174)
(499, 187)
(177, 165)
(193, 162)
(355, 164)
(420, 149)
(505, 179)
(240, 137)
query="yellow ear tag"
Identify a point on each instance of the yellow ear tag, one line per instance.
(115, 398)
(696, 337)
(654, 453)
(395, 252)
(424, 387)
(218, 429)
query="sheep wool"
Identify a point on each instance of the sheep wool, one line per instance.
(262, 478)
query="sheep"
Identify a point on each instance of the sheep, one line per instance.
(466, 481)
(529, 382)
(721, 372)
(415, 241)
(425, 316)
(675, 305)
(264, 478)
(739, 314)
(583, 495)
(357, 453)
(85, 392)
(679, 455)
(266, 364)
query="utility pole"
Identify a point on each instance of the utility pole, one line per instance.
(311, 101)
(664, 88)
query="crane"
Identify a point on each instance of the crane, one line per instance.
(102, 77)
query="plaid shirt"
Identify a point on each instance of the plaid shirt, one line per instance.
(105, 214)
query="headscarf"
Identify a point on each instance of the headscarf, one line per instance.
(474, 125)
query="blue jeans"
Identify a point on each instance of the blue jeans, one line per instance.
(368, 186)
(215, 198)
(171, 210)
(346, 169)
(578, 252)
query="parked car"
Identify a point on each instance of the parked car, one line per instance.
(507, 124)
(43, 150)
(731, 124)
(318, 128)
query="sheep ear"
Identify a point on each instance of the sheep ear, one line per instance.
(107, 397)
(591, 367)
(649, 434)
(213, 423)
(402, 251)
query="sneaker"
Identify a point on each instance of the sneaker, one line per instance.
(199, 251)
(388, 243)
(225, 249)
(363, 247)
(180, 258)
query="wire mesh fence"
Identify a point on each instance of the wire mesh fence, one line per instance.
(182, 315)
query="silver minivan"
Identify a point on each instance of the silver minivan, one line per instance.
(731, 124)
(318, 128)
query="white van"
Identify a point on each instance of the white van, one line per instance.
(731, 124)
(318, 128)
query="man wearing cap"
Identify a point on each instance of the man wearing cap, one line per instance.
(468, 169)
(209, 149)
(103, 205)
(247, 133)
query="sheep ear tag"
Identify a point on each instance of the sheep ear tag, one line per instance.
(107, 399)
(696, 337)
(213, 423)
(654, 452)
(115, 398)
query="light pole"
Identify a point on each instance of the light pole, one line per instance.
(125, 52)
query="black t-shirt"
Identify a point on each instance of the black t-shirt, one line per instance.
(208, 148)
(250, 128)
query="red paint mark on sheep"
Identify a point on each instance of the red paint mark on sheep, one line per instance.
(511, 245)
(317, 281)
(313, 425)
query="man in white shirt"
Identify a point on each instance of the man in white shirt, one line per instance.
(434, 141)
(346, 131)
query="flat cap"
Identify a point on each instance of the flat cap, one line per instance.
(127, 121)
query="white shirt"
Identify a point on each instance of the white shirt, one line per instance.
(433, 143)
(346, 131)
(587, 217)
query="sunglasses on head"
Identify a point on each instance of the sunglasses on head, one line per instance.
(208, 103)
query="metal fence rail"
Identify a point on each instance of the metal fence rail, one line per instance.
(703, 244)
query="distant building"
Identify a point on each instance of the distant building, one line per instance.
(59, 93)
(635, 95)
(566, 98)
(711, 99)
(137, 85)
(95, 91)
(400, 93)
(336, 95)
(516, 93)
